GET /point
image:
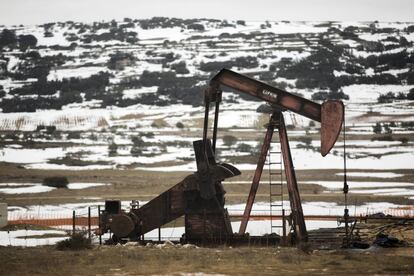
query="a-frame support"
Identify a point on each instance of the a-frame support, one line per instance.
(277, 121)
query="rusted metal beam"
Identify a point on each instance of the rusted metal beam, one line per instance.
(269, 94)
(257, 174)
(292, 185)
(330, 114)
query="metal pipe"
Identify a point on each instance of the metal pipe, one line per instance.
(99, 225)
(206, 111)
(284, 227)
(73, 222)
(89, 222)
(216, 116)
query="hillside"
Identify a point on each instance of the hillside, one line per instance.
(121, 102)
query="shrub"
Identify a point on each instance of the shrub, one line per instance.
(119, 60)
(403, 140)
(179, 125)
(410, 95)
(383, 138)
(229, 140)
(196, 26)
(78, 241)
(322, 96)
(148, 134)
(56, 181)
(306, 140)
(377, 129)
(386, 98)
(138, 144)
(137, 141)
(74, 135)
(26, 41)
(242, 147)
(7, 38)
(135, 151)
(265, 108)
(180, 68)
(112, 149)
(387, 129)
(50, 129)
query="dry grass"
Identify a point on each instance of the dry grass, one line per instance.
(131, 116)
(145, 185)
(172, 261)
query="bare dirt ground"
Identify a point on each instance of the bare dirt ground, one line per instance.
(132, 260)
(145, 185)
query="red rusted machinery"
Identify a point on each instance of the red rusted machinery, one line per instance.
(200, 196)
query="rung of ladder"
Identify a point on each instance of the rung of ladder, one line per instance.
(276, 152)
(276, 205)
(276, 194)
(275, 173)
(274, 163)
(277, 226)
(276, 184)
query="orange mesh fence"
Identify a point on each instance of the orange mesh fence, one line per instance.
(54, 220)
(65, 220)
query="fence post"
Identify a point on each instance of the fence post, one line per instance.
(89, 222)
(99, 224)
(73, 222)
(159, 234)
(283, 227)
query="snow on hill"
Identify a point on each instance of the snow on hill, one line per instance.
(102, 84)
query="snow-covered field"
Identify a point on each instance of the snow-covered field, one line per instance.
(32, 188)
(142, 135)
(268, 42)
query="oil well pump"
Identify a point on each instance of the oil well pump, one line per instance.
(200, 196)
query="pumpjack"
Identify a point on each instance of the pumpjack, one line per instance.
(199, 197)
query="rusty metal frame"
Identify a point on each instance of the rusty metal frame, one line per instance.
(330, 114)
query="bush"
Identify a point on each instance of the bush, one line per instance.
(229, 140)
(377, 129)
(403, 140)
(386, 98)
(78, 241)
(135, 151)
(138, 144)
(410, 95)
(119, 60)
(180, 68)
(7, 38)
(112, 149)
(50, 129)
(265, 108)
(383, 138)
(26, 41)
(137, 141)
(179, 125)
(56, 181)
(74, 135)
(196, 26)
(322, 96)
(306, 140)
(242, 147)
